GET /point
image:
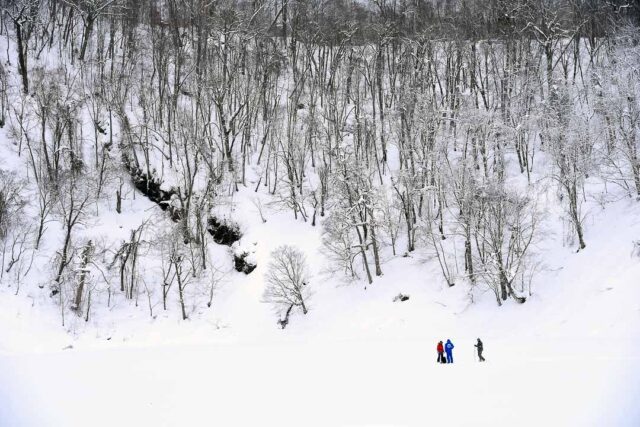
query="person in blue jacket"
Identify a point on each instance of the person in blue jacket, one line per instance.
(448, 348)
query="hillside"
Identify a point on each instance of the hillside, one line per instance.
(269, 213)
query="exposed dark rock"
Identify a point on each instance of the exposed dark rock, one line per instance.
(242, 264)
(223, 233)
(151, 187)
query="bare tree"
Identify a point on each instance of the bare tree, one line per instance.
(16, 232)
(24, 15)
(73, 199)
(89, 11)
(506, 224)
(183, 277)
(12, 202)
(82, 276)
(287, 280)
(571, 146)
(176, 269)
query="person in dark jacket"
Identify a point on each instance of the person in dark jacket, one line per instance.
(440, 349)
(448, 347)
(479, 347)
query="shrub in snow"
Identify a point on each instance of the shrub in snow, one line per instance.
(286, 281)
(223, 232)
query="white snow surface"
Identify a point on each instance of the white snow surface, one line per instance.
(569, 356)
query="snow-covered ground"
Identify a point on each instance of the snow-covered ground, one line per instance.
(570, 356)
(546, 382)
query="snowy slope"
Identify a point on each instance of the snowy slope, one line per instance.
(570, 356)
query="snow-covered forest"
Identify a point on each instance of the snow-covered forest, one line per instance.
(272, 170)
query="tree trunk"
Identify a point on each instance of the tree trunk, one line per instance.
(376, 255)
(86, 257)
(468, 259)
(575, 216)
(87, 34)
(63, 257)
(22, 58)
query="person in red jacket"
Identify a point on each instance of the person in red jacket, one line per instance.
(440, 350)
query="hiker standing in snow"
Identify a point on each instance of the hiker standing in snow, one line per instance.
(479, 347)
(440, 350)
(449, 349)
